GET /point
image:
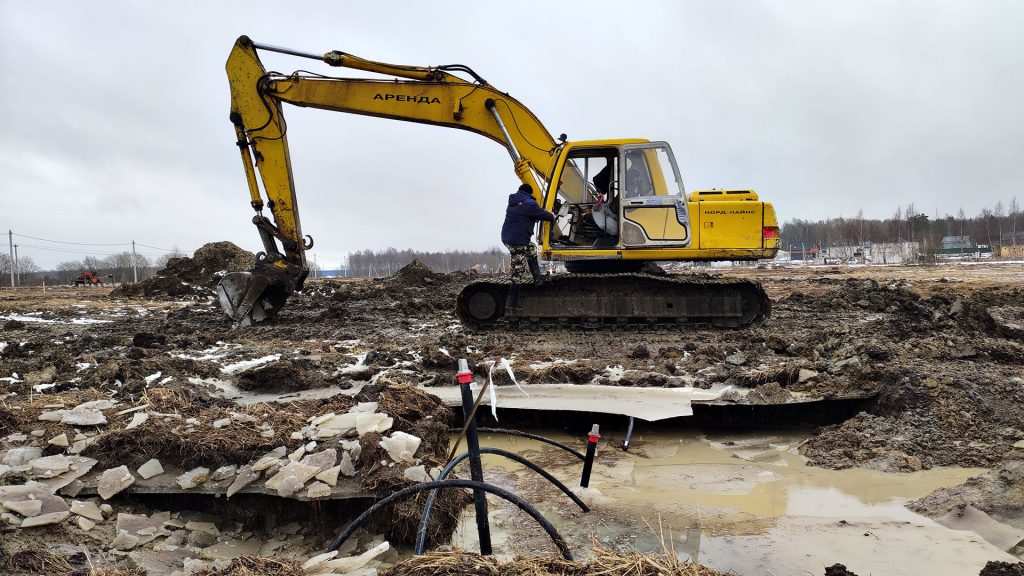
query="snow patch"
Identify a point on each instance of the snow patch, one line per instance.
(237, 366)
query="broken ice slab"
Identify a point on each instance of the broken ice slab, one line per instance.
(400, 446)
(193, 477)
(372, 422)
(165, 484)
(34, 491)
(113, 481)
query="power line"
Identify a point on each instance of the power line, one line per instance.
(74, 243)
(157, 247)
(164, 250)
(89, 252)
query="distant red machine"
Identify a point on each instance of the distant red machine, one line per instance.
(88, 278)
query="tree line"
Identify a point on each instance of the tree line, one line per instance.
(117, 268)
(1001, 225)
(388, 261)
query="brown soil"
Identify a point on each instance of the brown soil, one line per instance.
(934, 348)
(838, 570)
(994, 568)
(283, 376)
(936, 351)
(998, 493)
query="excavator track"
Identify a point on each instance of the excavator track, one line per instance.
(603, 301)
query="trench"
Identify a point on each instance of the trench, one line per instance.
(744, 502)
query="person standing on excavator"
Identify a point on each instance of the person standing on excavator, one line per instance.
(522, 214)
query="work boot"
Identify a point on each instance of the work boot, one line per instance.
(538, 278)
(512, 300)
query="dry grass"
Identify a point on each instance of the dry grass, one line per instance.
(784, 375)
(168, 439)
(603, 562)
(574, 373)
(32, 562)
(256, 566)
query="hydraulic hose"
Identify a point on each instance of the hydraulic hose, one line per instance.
(531, 436)
(406, 493)
(421, 534)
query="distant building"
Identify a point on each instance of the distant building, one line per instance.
(1011, 245)
(892, 252)
(957, 243)
(955, 247)
(804, 251)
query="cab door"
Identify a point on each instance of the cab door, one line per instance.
(652, 201)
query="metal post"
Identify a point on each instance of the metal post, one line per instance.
(476, 469)
(135, 270)
(10, 246)
(17, 265)
(629, 435)
(592, 440)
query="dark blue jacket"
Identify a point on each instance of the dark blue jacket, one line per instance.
(520, 216)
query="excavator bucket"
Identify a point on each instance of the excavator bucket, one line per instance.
(244, 297)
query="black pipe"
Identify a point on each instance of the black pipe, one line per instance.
(405, 493)
(531, 436)
(421, 534)
(476, 468)
(588, 463)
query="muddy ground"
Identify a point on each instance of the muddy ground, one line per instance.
(936, 354)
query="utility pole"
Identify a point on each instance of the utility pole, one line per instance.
(17, 266)
(316, 266)
(10, 246)
(135, 259)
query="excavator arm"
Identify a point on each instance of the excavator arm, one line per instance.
(426, 95)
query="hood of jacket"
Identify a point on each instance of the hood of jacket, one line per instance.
(518, 198)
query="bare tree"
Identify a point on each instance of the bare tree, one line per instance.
(27, 270)
(68, 271)
(5, 270)
(1014, 209)
(161, 262)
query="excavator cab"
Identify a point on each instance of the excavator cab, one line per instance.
(616, 196)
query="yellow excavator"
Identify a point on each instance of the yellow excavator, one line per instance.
(620, 203)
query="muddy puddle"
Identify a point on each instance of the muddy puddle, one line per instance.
(743, 503)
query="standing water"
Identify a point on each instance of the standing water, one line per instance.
(745, 503)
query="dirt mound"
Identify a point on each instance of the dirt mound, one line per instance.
(283, 376)
(195, 276)
(998, 493)
(414, 274)
(994, 568)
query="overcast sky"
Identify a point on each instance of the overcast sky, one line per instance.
(115, 114)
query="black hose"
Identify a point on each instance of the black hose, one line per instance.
(421, 534)
(568, 449)
(405, 493)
